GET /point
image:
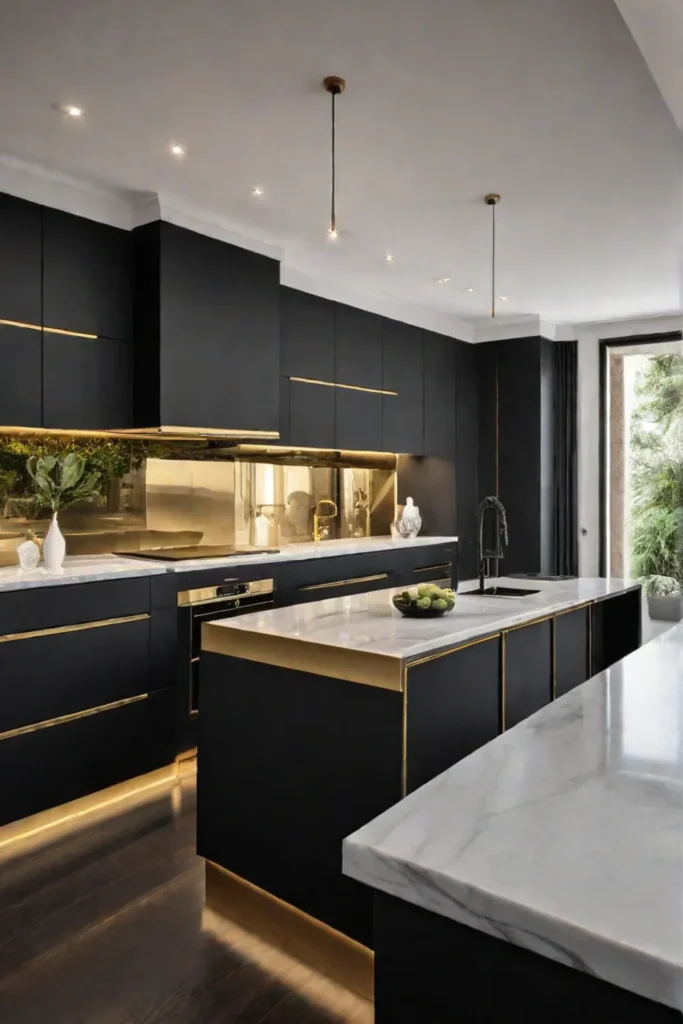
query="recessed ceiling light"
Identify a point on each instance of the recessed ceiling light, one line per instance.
(503, 298)
(443, 280)
(257, 190)
(69, 108)
(389, 258)
(177, 150)
(470, 289)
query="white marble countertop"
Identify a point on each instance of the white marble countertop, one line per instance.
(370, 623)
(308, 550)
(563, 835)
(78, 569)
(84, 568)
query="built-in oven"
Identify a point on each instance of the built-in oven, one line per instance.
(229, 598)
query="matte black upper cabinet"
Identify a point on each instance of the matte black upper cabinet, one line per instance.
(358, 347)
(87, 383)
(307, 332)
(466, 456)
(20, 261)
(403, 372)
(20, 380)
(207, 332)
(439, 395)
(87, 279)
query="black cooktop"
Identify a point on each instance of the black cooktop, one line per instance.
(197, 551)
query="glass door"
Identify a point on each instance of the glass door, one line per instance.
(643, 459)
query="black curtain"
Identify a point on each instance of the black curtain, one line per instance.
(565, 433)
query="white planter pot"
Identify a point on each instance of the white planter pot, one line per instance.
(668, 608)
(54, 547)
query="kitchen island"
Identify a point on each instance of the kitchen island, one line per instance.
(543, 875)
(317, 717)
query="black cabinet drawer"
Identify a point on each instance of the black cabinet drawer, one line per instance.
(20, 261)
(317, 579)
(20, 379)
(37, 608)
(311, 415)
(527, 680)
(571, 649)
(358, 420)
(616, 629)
(87, 383)
(62, 672)
(53, 765)
(87, 276)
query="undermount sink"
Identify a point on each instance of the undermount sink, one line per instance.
(500, 592)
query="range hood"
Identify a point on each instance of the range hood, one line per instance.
(207, 337)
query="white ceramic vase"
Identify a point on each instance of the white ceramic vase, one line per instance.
(54, 546)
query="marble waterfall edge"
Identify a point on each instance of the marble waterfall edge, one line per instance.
(564, 835)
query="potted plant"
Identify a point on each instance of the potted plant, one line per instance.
(59, 482)
(657, 485)
(664, 598)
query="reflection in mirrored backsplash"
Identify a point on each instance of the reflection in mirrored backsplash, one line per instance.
(168, 502)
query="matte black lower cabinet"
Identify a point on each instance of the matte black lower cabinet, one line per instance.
(572, 631)
(447, 717)
(527, 682)
(432, 970)
(616, 629)
(62, 762)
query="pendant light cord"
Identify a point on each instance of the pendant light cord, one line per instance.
(333, 206)
(493, 260)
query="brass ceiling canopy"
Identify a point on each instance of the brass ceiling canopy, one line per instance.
(335, 86)
(492, 199)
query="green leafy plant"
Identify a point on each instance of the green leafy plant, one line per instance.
(61, 482)
(663, 586)
(657, 475)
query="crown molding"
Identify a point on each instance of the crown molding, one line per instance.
(417, 316)
(163, 206)
(63, 192)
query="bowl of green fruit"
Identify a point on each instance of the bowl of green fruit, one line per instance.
(427, 602)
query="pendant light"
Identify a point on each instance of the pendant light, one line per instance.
(335, 86)
(492, 200)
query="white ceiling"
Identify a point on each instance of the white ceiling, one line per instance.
(549, 102)
(657, 27)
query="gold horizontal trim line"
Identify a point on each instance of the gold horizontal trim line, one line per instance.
(18, 323)
(71, 334)
(63, 719)
(435, 568)
(48, 330)
(83, 806)
(365, 667)
(292, 931)
(452, 650)
(575, 608)
(199, 432)
(531, 622)
(345, 583)
(347, 387)
(32, 634)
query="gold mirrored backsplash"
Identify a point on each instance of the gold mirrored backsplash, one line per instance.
(247, 495)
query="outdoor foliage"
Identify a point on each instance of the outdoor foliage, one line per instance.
(657, 470)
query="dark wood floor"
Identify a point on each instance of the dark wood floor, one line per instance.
(107, 925)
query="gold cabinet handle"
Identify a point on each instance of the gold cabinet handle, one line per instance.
(63, 719)
(345, 583)
(72, 629)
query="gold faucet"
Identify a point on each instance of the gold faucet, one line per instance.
(320, 531)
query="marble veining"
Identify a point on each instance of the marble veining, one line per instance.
(370, 623)
(78, 569)
(308, 550)
(563, 835)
